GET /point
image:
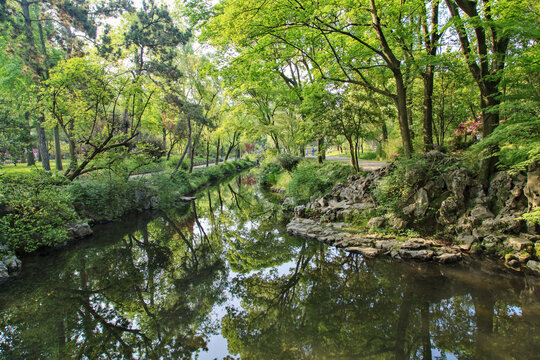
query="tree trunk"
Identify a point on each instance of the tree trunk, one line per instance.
(42, 143)
(428, 109)
(401, 104)
(207, 152)
(57, 149)
(217, 151)
(185, 150)
(320, 149)
(30, 161)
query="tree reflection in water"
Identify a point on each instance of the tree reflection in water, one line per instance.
(150, 286)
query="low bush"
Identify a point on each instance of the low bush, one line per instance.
(313, 179)
(269, 172)
(34, 212)
(288, 161)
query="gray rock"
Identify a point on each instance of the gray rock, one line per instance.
(78, 231)
(513, 263)
(534, 266)
(448, 258)
(376, 222)
(420, 255)
(448, 211)
(300, 210)
(288, 203)
(12, 263)
(481, 212)
(397, 223)
(518, 244)
(532, 189)
(4, 273)
(368, 252)
(457, 181)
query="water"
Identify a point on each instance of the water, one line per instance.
(220, 279)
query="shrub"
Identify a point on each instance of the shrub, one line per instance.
(311, 178)
(288, 161)
(35, 213)
(269, 172)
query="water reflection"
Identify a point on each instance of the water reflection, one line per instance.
(221, 269)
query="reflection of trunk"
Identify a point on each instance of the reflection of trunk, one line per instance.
(426, 338)
(483, 308)
(402, 324)
(177, 230)
(220, 199)
(185, 150)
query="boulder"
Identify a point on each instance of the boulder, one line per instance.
(4, 273)
(12, 263)
(376, 222)
(457, 181)
(288, 204)
(448, 211)
(532, 189)
(534, 266)
(481, 213)
(420, 204)
(79, 231)
(368, 252)
(300, 210)
(518, 244)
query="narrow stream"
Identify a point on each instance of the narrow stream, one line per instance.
(220, 279)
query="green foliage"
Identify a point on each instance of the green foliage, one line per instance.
(406, 178)
(35, 210)
(288, 161)
(533, 216)
(106, 198)
(313, 179)
(269, 172)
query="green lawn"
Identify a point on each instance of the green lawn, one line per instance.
(21, 169)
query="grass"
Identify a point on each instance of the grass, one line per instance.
(23, 169)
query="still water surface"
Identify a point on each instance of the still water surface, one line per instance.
(220, 279)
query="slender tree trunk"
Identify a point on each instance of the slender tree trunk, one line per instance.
(207, 152)
(30, 161)
(57, 149)
(185, 150)
(164, 140)
(428, 109)
(217, 151)
(42, 142)
(401, 104)
(320, 148)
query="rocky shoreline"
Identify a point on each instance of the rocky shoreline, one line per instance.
(463, 216)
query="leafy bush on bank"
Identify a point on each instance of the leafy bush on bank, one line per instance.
(313, 179)
(34, 211)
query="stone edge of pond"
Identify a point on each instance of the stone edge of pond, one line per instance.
(340, 235)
